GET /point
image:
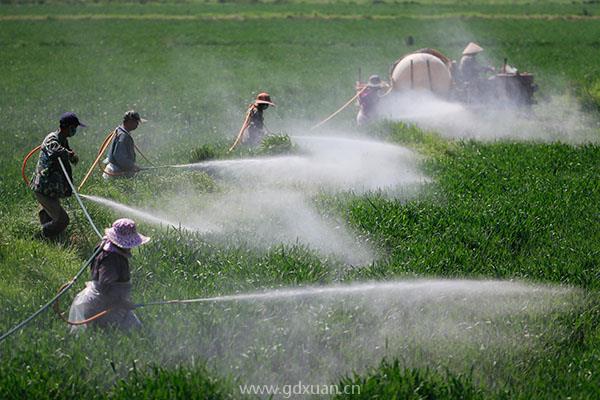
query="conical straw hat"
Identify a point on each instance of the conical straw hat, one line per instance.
(472, 48)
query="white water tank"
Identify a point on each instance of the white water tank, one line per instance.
(421, 71)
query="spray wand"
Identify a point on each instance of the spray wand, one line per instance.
(340, 109)
(242, 129)
(101, 151)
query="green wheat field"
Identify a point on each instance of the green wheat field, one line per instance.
(521, 210)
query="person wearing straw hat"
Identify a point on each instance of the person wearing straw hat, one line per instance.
(469, 68)
(121, 154)
(368, 100)
(49, 183)
(256, 126)
(110, 286)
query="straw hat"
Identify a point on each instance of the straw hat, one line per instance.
(264, 98)
(124, 234)
(471, 49)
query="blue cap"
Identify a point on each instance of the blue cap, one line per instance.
(69, 119)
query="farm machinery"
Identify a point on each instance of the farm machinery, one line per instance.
(428, 71)
(431, 71)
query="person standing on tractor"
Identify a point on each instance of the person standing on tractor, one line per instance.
(368, 100)
(49, 183)
(110, 287)
(121, 153)
(469, 68)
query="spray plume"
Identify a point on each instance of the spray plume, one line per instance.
(270, 200)
(557, 119)
(318, 334)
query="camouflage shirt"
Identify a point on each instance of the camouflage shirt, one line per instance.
(49, 178)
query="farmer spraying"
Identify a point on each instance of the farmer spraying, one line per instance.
(121, 154)
(110, 287)
(368, 100)
(49, 182)
(253, 128)
(256, 126)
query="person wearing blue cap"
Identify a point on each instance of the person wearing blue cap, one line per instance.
(49, 183)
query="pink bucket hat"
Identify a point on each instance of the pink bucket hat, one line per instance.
(124, 234)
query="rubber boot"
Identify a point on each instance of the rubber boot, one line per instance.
(44, 217)
(54, 228)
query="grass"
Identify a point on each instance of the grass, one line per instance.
(204, 153)
(276, 144)
(502, 210)
(535, 224)
(275, 9)
(506, 210)
(390, 381)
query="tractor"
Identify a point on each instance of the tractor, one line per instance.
(430, 70)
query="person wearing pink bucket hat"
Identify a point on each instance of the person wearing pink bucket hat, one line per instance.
(110, 287)
(123, 233)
